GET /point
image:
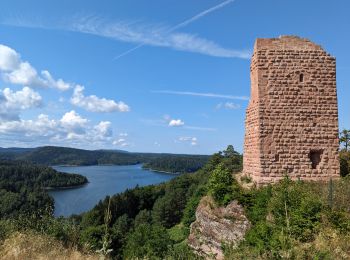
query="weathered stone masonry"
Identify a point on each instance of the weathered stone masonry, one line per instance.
(292, 117)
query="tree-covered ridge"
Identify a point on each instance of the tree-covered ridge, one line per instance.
(53, 155)
(23, 184)
(177, 164)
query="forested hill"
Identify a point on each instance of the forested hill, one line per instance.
(22, 187)
(177, 164)
(52, 155)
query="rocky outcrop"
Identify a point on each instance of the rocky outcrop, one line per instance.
(215, 226)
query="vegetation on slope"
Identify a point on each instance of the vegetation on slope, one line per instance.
(22, 187)
(292, 220)
(31, 245)
(177, 164)
(151, 222)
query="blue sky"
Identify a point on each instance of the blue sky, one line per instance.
(150, 76)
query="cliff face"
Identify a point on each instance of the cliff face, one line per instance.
(216, 226)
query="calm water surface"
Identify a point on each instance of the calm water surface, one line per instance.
(103, 181)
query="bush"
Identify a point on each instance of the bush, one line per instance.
(220, 184)
(147, 242)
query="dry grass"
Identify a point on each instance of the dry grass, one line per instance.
(20, 246)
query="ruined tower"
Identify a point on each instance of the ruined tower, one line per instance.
(292, 116)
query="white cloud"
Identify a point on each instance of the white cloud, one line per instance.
(11, 103)
(24, 74)
(199, 128)
(71, 119)
(9, 58)
(228, 105)
(93, 103)
(16, 71)
(73, 123)
(71, 129)
(176, 122)
(22, 99)
(191, 140)
(121, 142)
(59, 84)
(104, 128)
(152, 35)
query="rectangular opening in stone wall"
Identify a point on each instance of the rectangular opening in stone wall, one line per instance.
(301, 77)
(315, 158)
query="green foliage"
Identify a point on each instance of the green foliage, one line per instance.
(177, 163)
(339, 220)
(287, 216)
(92, 236)
(344, 159)
(147, 241)
(22, 187)
(192, 204)
(221, 184)
(168, 210)
(178, 233)
(145, 222)
(181, 251)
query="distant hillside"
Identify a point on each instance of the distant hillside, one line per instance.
(53, 155)
(177, 164)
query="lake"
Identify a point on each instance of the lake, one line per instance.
(103, 181)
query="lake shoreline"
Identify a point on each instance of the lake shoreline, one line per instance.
(87, 165)
(103, 181)
(160, 171)
(66, 188)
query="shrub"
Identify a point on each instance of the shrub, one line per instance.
(220, 184)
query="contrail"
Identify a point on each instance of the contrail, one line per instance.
(180, 25)
(209, 95)
(200, 15)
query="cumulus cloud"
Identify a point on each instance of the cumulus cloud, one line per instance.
(59, 84)
(16, 71)
(12, 102)
(228, 105)
(22, 99)
(104, 128)
(71, 129)
(93, 103)
(176, 122)
(9, 60)
(73, 122)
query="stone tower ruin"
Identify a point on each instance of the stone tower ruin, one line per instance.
(292, 116)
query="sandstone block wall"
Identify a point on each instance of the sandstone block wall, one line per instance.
(292, 116)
